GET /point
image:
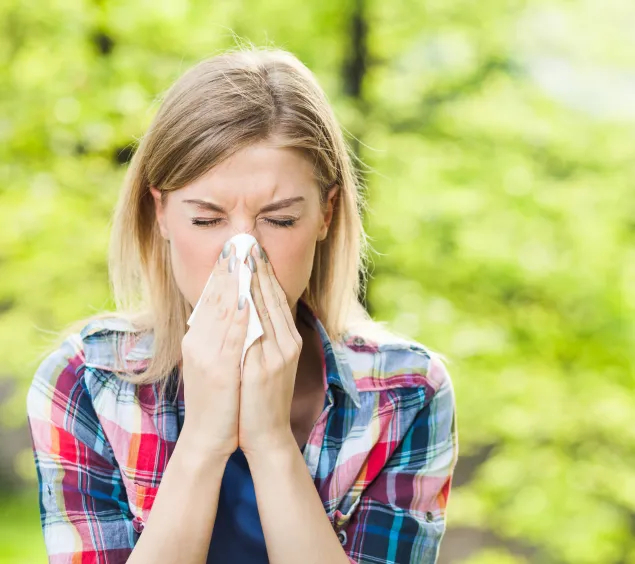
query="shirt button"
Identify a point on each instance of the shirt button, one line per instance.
(138, 525)
(359, 342)
(429, 517)
(342, 536)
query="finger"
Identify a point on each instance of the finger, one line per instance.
(254, 360)
(275, 304)
(216, 308)
(282, 300)
(232, 347)
(224, 291)
(270, 347)
(221, 268)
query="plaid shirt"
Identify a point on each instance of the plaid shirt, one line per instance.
(381, 454)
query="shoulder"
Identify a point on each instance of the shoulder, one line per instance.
(100, 343)
(381, 359)
(59, 404)
(59, 372)
(405, 427)
(116, 344)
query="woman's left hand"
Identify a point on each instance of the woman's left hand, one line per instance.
(270, 367)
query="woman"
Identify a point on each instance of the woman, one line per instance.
(337, 440)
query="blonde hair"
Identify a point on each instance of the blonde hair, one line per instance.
(215, 109)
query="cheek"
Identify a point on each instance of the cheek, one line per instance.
(292, 263)
(193, 254)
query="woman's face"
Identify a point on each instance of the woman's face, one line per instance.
(266, 191)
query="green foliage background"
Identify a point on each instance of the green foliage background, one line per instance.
(499, 136)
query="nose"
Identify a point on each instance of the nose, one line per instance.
(243, 225)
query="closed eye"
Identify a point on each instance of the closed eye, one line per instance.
(273, 222)
(205, 222)
(280, 222)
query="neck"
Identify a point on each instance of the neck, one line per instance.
(309, 373)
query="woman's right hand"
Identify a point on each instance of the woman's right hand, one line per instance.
(212, 348)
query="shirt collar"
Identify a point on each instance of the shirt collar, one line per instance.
(138, 350)
(338, 370)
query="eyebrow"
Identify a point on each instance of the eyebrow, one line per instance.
(280, 204)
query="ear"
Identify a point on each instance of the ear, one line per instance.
(159, 209)
(331, 199)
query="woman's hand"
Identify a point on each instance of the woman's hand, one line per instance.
(270, 366)
(212, 349)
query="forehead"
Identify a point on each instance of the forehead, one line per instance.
(261, 171)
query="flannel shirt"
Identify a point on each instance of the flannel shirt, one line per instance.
(381, 454)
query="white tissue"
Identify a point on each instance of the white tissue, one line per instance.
(243, 243)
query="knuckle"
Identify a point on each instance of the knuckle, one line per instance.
(213, 298)
(291, 352)
(232, 341)
(278, 365)
(194, 360)
(221, 312)
(231, 344)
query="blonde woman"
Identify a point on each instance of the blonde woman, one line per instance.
(335, 443)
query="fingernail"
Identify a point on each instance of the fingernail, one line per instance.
(241, 302)
(264, 255)
(260, 251)
(251, 263)
(232, 263)
(227, 249)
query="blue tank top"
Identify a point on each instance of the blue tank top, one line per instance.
(237, 536)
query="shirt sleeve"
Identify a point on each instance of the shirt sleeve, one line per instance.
(401, 516)
(84, 510)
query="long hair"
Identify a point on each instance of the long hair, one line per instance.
(216, 108)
